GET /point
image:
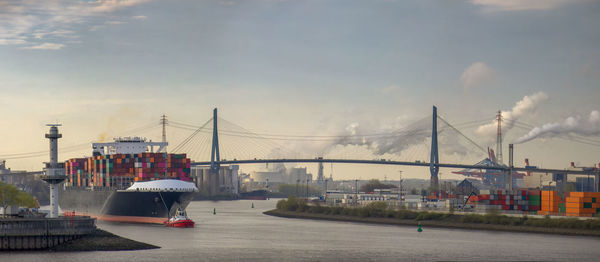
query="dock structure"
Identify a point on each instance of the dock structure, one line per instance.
(42, 233)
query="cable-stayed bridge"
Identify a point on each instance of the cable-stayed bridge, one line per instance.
(206, 144)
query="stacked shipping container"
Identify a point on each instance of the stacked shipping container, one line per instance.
(120, 170)
(550, 203)
(544, 202)
(582, 204)
(517, 200)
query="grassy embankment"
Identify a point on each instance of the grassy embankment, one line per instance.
(102, 240)
(379, 213)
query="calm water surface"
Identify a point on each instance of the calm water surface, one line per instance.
(241, 233)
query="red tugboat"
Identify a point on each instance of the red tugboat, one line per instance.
(180, 220)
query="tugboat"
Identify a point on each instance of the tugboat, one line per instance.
(180, 220)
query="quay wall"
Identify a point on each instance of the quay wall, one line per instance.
(42, 233)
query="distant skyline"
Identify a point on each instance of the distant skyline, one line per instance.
(307, 68)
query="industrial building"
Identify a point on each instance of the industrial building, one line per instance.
(224, 183)
(274, 175)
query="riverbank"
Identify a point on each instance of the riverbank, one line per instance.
(433, 223)
(380, 213)
(101, 240)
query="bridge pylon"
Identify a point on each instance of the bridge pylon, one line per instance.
(434, 161)
(215, 157)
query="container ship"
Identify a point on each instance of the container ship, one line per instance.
(128, 181)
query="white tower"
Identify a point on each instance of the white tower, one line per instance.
(54, 173)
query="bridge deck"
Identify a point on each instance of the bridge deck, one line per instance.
(400, 163)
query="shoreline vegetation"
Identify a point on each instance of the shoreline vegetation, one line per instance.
(101, 240)
(379, 213)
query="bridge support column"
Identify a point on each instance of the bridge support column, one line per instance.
(434, 163)
(215, 157)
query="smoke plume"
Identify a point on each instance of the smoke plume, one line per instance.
(577, 125)
(525, 106)
(386, 140)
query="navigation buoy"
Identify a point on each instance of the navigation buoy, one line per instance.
(252, 204)
(419, 229)
(214, 211)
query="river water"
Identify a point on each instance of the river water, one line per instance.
(240, 233)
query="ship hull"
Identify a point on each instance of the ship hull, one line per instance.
(254, 195)
(125, 206)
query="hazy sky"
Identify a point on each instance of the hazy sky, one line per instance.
(304, 67)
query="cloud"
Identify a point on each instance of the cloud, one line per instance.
(29, 21)
(39, 34)
(576, 125)
(112, 5)
(114, 22)
(12, 41)
(139, 17)
(46, 46)
(389, 89)
(521, 5)
(525, 106)
(96, 28)
(477, 74)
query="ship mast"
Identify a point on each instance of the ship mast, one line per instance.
(164, 122)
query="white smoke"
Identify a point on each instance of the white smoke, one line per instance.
(526, 106)
(577, 125)
(385, 140)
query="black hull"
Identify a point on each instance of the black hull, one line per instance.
(112, 203)
(255, 195)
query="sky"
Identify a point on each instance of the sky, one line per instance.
(322, 68)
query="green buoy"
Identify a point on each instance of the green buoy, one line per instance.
(214, 211)
(252, 204)
(419, 229)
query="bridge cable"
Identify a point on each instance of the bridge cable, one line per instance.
(458, 131)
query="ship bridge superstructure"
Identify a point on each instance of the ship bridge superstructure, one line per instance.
(128, 145)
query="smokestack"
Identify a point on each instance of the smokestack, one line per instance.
(510, 155)
(572, 164)
(499, 138)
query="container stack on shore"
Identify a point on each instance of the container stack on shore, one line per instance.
(534, 200)
(576, 204)
(515, 201)
(120, 170)
(582, 204)
(550, 203)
